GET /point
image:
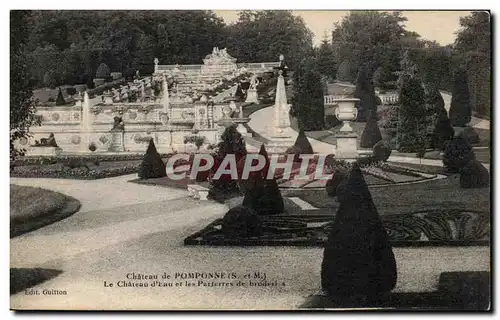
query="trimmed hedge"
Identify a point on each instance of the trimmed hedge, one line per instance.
(457, 154)
(152, 165)
(241, 222)
(474, 175)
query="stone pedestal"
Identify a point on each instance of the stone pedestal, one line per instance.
(347, 146)
(252, 96)
(279, 144)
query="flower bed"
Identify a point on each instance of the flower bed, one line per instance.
(83, 173)
(43, 160)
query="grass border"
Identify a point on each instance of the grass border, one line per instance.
(70, 207)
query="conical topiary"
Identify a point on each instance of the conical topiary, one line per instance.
(152, 165)
(60, 99)
(371, 134)
(302, 144)
(443, 131)
(474, 175)
(263, 195)
(470, 135)
(460, 107)
(358, 261)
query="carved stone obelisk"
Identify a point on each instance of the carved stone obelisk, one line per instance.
(280, 139)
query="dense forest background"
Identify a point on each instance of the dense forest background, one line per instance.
(66, 47)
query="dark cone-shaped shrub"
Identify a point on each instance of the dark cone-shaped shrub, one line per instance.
(60, 99)
(371, 134)
(460, 107)
(241, 222)
(443, 132)
(358, 260)
(152, 165)
(301, 146)
(470, 135)
(263, 195)
(457, 153)
(333, 183)
(474, 175)
(381, 151)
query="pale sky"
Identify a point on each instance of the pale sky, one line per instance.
(431, 25)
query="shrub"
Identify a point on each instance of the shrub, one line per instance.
(60, 99)
(366, 93)
(474, 175)
(301, 145)
(443, 132)
(263, 195)
(470, 135)
(457, 153)
(358, 258)
(102, 71)
(460, 108)
(382, 151)
(92, 147)
(231, 143)
(334, 182)
(371, 134)
(152, 165)
(241, 222)
(70, 91)
(378, 101)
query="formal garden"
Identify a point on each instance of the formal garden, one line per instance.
(419, 177)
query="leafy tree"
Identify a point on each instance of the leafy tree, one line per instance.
(460, 108)
(358, 261)
(308, 96)
(365, 92)
(152, 166)
(370, 36)
(262, 35)
(378, 77)
(60, 98)
(371, 134)
(473, 46)
(22, 104)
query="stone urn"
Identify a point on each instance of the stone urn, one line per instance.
(346, 112)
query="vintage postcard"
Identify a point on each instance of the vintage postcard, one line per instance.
(250, 160)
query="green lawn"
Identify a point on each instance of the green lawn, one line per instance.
(32, 208)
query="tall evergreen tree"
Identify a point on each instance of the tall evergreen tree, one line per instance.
(365, 91)
(308, 96)
(412, 126)
(460, 108)
(325, 59)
